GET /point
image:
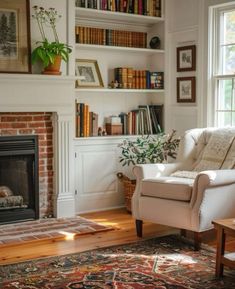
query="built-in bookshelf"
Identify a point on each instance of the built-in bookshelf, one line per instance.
(117, 34)
(121, 106)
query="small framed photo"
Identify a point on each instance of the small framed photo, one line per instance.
(186, 89)
(186, 58)
(89, 73)
(15, 47)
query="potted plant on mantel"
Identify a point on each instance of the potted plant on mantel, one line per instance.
(143, 150)
(49, 53)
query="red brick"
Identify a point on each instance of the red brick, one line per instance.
(42, 162)
(8, 118)
(40, 130)
(45, 155)
(48, 123)
(9, 132)
(38, 124)
(45, 143)
(5, 125)
(26, 131)
(41, 117)
(19, 125)
(41, 136)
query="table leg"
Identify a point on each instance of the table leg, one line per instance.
(220, 252)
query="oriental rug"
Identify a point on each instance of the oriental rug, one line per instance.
(161, 263)
(50, 228)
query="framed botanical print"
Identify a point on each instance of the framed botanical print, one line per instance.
(186, 58)
(89, 73)
(15, 50)
(186, 89)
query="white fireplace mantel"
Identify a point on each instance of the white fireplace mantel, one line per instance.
(44, 93)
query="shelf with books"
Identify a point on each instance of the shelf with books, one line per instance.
(123, 49)
(141, 119)
(86, 14)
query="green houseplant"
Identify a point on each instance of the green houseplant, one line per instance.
(49, 53)
(143, 150)
(149, 149)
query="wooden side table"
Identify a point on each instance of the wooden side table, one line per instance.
(224, 227)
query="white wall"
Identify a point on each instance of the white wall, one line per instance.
(181, 30)
(187, 24)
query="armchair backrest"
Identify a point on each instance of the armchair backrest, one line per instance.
(193, 144)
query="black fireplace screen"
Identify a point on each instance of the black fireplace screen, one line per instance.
(18, 178)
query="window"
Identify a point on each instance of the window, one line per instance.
(222, 55)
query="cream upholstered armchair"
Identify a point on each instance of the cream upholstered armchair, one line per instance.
(197, 188)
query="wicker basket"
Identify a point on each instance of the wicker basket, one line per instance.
(129, 188)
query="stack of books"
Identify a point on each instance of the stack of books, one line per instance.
(146, 119)
(109, 37)
(140, 7)
(86, 121)
(128, 78)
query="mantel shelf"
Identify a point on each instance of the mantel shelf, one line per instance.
(86, 14)
(147, 51)
(35, 77)
(110, 90)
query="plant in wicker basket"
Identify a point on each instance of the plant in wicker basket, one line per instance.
(143, 150)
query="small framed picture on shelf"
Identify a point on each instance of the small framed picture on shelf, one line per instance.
(186, 89)
(15, 37)
(186, 58)
(89, 73)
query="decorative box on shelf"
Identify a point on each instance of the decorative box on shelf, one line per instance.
(113, 129)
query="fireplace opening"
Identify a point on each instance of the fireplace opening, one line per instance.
(19, 192)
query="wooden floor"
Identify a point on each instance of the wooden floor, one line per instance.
(124, 232)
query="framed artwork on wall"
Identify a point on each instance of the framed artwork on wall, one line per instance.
(89, 73)
(186, 58)
(186, 89)
(15, 48)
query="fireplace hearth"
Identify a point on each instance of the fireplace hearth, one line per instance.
(19, 189)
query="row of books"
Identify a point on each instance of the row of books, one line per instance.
(128, 78)
(146, 119)
(140, 7)
(86, 121)
(90, 35)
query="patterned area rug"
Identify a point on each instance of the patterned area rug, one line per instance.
(51, 228)
(162, 263)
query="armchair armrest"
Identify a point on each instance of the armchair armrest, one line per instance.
(208, 179)
(154, 170)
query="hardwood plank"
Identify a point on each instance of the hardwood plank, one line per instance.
(124, 232)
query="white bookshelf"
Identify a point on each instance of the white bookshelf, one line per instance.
(101, 190)
(102, 16)
(111, 49)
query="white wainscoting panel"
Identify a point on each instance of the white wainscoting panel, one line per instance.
(96, 183)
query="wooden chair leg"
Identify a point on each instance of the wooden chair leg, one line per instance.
(139, 227)
(197, 241)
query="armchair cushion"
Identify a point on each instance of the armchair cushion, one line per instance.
(171, 188)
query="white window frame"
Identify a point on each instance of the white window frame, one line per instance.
(214, 59)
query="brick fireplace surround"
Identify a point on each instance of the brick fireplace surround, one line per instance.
(38, 123)
(44, 105)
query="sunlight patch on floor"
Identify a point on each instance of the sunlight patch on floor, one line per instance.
(68, 236)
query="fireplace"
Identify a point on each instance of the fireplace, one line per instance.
(19, 189)
(31, 94)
